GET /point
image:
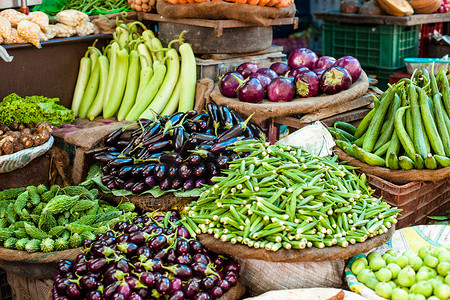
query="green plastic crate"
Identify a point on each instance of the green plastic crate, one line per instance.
(375, 46)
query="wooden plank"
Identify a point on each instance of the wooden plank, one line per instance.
(216, 56)
(383, 19)
(354, 117)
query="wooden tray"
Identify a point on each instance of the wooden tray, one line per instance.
(268, 109)
(303, 255)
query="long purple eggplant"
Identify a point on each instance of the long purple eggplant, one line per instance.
(171, 158)
(225, 117)
(159, 146)
(213, 112)
(201, 137)
(178, 138)
(112, 138)
(234, 131)
(188, 145)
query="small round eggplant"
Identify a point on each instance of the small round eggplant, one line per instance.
(306, 84)
(228, 84)
(334, 80)
(160, 171)
(280, 68)
(251, 91)
(247, 68)
(185, 170)
(281, 89)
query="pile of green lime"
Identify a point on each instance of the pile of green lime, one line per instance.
(409, 276)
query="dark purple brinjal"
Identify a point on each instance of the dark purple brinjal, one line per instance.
(306, 84)
(135, 297)
(171, 158)
(172, 171)
(163, 285)
(200, 117)
(222, 162)
(225, 117)
(177, 295)
(154, 265)
(220, 147)
(205, 154)
(224, 285)
(104, 158)
(157, 242)
(203, 126)
(281, 89)
(122, 143)
(143, 152)
(80, 268)
(216, 292)
(184, 260)
(120, 162)
(111, 289)
(165, 184)
(159, 146)
(201, 137)
(137, 171)
(189, 127)
(231, 266)
(334, 80)
(212, 169)
(124, 289)
(128, 248)
(228, 84)
(160, 171)
(202, 296)
(199, 170)
(107, 178)
(181, 271)
(176, 284)
(247, 68)
(190, 144)
(174, 119)
(302, 57)
(148, 279)
(280, 68)
(131, 228)
(177, 183)
(136, 237)
(264, 79)
(251, 90)
(178, 138)
(296, 71)
(112, 185)
(204, 146)
(63, 266)
(213, 112)
(151, 180)
(319, 72)
(88, 283)
(97, 264)
(191, 288)
(268, 72)
(233, 132)
(351, 64)
(112, 138)
(171, 255)
(94, 295)
(143, 253)
(232, 279)
(208, 282)
(74, 292)
(148, 170)
(324, 62)
(61, 284)
(257, 131)
(119, 182)
(194, 159)
(199, 256)
(189, 184)
(185, 170)
(139, 187)
(159, 137)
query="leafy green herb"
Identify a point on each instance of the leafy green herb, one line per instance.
(34, 109)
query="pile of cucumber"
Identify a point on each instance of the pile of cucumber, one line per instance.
(409, 127)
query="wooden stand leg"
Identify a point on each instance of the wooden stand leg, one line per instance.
(274, 132)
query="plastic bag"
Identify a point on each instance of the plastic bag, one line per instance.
(87, 28)
(314, 138)
(13, 16)
(40, 18)
(64, 30)
(71, 17)
(5, 28)
(29, 31)
(15, 38)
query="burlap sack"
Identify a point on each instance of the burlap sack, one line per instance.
(38, 265)
(24, 288)
(289, 256)
(220, 10)
(203, 93)
(262, 276)
(395, 176)
(267, 109)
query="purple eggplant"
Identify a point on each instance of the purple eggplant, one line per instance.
(189, 184)
(73, 291)
(148, 170)
(204, 146)
(189, 127)
(159, 137)
(143, 253)
(233, 132)
(280, 68)
(122, 143)
(185, 170)
(212, 169)
(148, 279)
(194, 159)
(97, 264)
(208, 283)
(232, 279)
(151, 181)
(201, 258)
(172, 171)
(334, 80)
(351, 64)
(176, 285)
(231, 266)
(165, 184)
(216, 292)
(177, 295)
(171, 158)
(80, 268)
(159, 146)
(160, 171)
(163, 285)
(257, 131)
(128, 248)
(184, 260)
(124, 289)
(135, 297)
(174, 120)
(251, 91)
(181, 271)
(157, 242)
(202, 296)
(191, 288)
(107, 179)
(104, 158)
(201, 137)
(188, 145)
(213, 112)
(281, 89)
(324, 62)
(94, 295)
(119, 182)
(268, 72)
(224, 285)
(228, 84)
(120, 162)
(296, 71)
(176, 183)
(137, 171)
(220, 147)
(171, 255)
(306, 84)
(222, 162)
(302, 57)
(63, 266)
(199, 170)
(139, 187)
(131, 228)
(225, 117)
(88, 283)
(111, 289)
(178, 138)
(319, 72)
(112, 138)
(247, 68)
(264, 79)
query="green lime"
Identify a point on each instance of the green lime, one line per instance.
(383, 289)
(430, 261)
(442, 291)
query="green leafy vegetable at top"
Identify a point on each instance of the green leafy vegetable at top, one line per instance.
(34, 109)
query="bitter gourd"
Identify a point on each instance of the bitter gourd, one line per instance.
(20, 245)
(33, 245)
(35, 199)
(78, 191)
(61, 203)
(47, 245)
(11, 193)
(61, 244)
(21, 202)
(75, 241)
(10, 243)
(35, 232)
